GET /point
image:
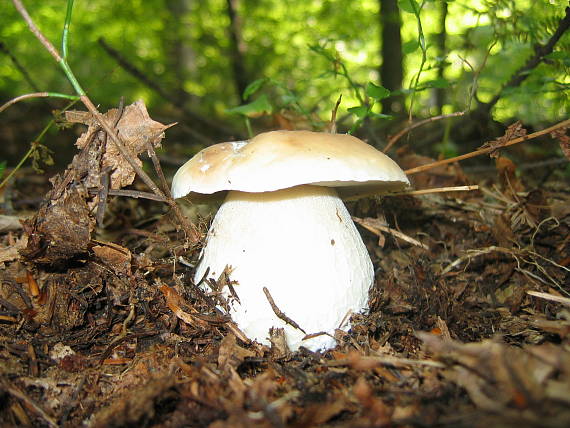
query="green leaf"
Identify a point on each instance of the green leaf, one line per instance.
(253, 87)
(557, 55)
(380, 115)
(410, 6)
(410, 46)
(438, 83)
(2, 168)
(256, 108)
(377, 92)
(359, 111)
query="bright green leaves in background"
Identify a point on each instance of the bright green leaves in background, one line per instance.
(299, 56)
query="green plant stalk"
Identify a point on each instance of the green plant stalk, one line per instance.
(248, 126)
(64, 38)
(33, 146)
(422, 43)
(66, 96)
(296, 103)
(353, 85)
(71, 77)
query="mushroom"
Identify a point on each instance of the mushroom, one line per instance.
(283, 232)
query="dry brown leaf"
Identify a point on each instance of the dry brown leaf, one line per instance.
(497, 376)
(563, 139)
(135, 128)
(115, 256)
(231, 354)
(515, 130)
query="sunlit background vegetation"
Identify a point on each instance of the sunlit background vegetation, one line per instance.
(185, 47)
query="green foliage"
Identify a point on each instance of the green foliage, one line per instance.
(299, 55)
(2, 168)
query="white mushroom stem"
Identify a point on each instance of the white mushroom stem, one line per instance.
(302, 245)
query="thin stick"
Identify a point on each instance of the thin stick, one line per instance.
(393, 140)
(558, 299)
(157, 166)
(130, 194)
(414, 192)
(390, 361)
(333, 115)
(486, 150)
(377, 228)
(436, 190)
(280, 314)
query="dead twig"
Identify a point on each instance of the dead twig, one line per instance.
(394, 139)
(132, 194)
(372, 361)
(436, 190)
(486, 150)
(280, 314)
(416, 192)
(552, 297)
(374, 226)
(332, 124)
(157, 166)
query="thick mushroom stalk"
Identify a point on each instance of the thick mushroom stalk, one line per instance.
(301, 244)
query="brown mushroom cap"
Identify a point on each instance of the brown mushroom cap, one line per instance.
(282, 159)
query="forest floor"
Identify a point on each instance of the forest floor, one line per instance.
(470, 329)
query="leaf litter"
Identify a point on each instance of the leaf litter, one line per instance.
(105, 327)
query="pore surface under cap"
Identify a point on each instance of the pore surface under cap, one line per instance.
(282, 159)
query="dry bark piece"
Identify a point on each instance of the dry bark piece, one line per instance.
(60, 231)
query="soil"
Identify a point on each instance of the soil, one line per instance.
(469, 320)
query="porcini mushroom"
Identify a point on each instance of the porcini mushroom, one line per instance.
(284, 227)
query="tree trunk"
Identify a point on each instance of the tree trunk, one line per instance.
(180, 57)
(241, 79)
(391, 70)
